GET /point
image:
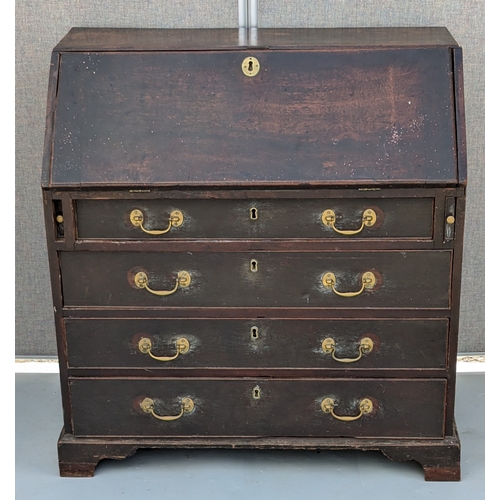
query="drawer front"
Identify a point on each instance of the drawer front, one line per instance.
(259, 407)
(203, 343)
(262, 218)
(385, 279)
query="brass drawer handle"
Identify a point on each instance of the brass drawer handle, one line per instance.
(365, 347)
(182, 345)
(175, 220)
(368, 281)
(369, 218)
(365, 407)
(148, 405)
(183, 280)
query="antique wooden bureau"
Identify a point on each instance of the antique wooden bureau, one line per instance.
(255, 240)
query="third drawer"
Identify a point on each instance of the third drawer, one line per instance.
(257, 343)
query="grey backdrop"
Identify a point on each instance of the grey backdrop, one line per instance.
(40, 24)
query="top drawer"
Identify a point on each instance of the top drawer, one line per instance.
(261, 218)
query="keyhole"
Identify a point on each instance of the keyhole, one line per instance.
(253, 213)
(255, 332)
(250, 66)
(256, 392)
(253, 266)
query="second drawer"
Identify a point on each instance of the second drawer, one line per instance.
(228, 343)
(341, 279)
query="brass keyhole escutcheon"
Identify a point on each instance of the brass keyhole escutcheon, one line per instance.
(256, 392)
(254, 214)
(250, 66)
(254, 266)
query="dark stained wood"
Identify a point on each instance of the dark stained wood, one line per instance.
(55, 283)
(460, 115)
(113, 343)
(327, 312)
(440, 458)
(229, 219)
(455, 313)
(246, 193)
(49, 119)
(381, 117)
(133, 39)
(345, 119)
(404, 279)
(225, 407)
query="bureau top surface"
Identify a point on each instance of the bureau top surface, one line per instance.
(264, 38)
(328, 107)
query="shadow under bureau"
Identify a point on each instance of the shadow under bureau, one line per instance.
(256, 241)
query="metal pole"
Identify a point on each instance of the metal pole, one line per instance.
(252, 13)
(247, 13)
(242, 13)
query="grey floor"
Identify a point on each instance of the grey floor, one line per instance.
(236, 474)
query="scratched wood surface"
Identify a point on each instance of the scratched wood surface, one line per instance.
(285, 408)
(165, 119)
(307, 118)
(257, 218)
(256, 343)
(403, 279)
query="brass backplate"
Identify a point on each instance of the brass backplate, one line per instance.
(369, 217)
(145, 345)
(366, 406)
(183, 345)
(250, 66)
(328, 217)
(141, 279)
(369, 280)
(187, 405)
(328, 280)
(136, 217)
(328, 345)
(327, 405)
(177, 218)
(184, 279)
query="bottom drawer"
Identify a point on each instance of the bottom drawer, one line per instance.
(258, 407)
